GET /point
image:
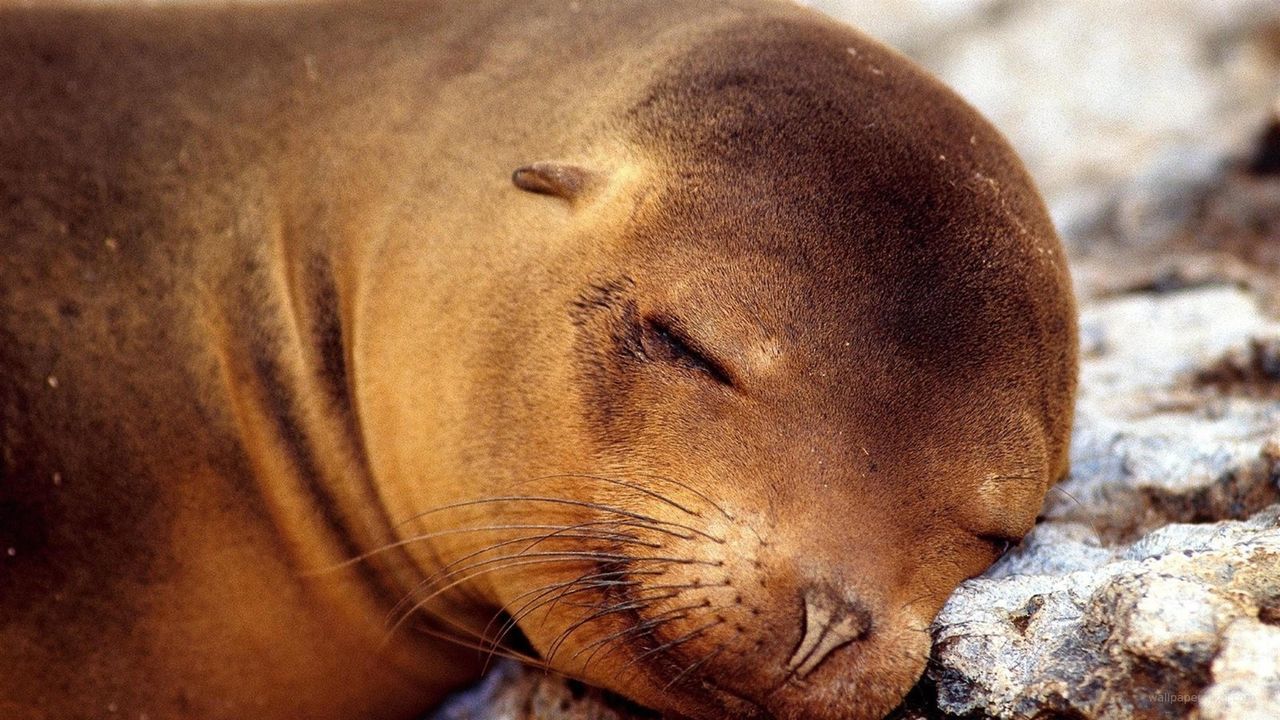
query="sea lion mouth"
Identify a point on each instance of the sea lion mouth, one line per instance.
(641, 613)
(642, 634)
(656, 648)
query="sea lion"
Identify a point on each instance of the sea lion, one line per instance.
(693, 350)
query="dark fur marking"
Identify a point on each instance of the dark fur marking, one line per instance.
(608, 339)
(600, 296)
(326, 333)
(279, 402)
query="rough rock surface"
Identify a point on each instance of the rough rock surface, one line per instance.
(1151, 586)
(1246, 674)
(1081, 630)
(510, 692)
(1172, 418)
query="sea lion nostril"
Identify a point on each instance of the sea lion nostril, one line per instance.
(831, 620)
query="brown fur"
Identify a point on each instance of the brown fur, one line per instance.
(780, 310)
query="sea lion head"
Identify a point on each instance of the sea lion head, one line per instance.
(789, 372)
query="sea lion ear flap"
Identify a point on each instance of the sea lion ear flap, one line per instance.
(562, 180)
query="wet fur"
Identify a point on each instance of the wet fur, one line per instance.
(271, 301)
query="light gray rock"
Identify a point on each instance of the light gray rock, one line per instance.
(1124, 638)
(1246, 674)
(512, 692)
(1154, 441)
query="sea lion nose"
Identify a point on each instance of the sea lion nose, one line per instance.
(831, 620)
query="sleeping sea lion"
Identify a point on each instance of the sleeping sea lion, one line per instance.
(693, 350)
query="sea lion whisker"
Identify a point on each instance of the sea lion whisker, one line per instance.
(536, 559)
(1089, 520)
(694, 666)
(1070, 497)
(628, 571)
(452, 570)
(544, 590)
(593, 582)
(442, 533)
(576, 554)
(507, 653)
(507, 561)
(635, 596)
(623, 483)
(616, 640)
(472, 642)
(512, 621)
(564, 501)
(589, 583)
(637, 600)
(665, 616)
(630, 604)
(449, 567)
(535, 540)
(646, 594)
(462, 565)
(666, 587)
(586, 583)
(506, 499)
(673, 643)
(592, 606)
(691, 489)
(998, 478)
(569, 587)
(620, 537)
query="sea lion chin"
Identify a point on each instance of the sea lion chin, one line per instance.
(696, 351)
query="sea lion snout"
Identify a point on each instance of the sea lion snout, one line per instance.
(832, 619)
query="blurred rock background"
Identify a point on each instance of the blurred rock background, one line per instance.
(1151, 588)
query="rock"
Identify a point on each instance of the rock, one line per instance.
(511, 692)
(1246, 674)
(1114, 640)
(1251, 371)
(1172, 413)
